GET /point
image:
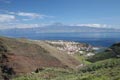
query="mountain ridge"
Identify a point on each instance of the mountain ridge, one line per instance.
(55, 29)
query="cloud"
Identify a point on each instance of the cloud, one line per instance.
(12, 25)
(18, 25)
(6, 18)
(15, 19)
(93, 25)
(30, 15)
(26, 25)
(26, 19)
(26, 16)
(32, 25)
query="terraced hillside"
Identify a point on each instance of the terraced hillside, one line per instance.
(20, 56)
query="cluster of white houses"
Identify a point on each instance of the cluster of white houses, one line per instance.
(73, 47)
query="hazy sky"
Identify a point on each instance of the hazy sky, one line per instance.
(34, 13)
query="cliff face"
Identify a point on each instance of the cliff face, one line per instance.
(19, 56)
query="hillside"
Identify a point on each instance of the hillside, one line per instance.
(20, 56)
(111, 52)
(95, 71)
(23, 59)
(101, 69)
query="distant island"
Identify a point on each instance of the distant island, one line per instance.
(103, 37)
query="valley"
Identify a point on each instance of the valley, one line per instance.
(25, 59)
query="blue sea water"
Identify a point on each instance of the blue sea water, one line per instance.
(95, 39)
(104, 39)
(103, 42)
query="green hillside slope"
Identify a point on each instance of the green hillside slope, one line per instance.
(111, 52)
(105, 67)
(21, 56)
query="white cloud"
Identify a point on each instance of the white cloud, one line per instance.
(6, 18)
(93, 25)
(26, 25)
(26, 19)
(19, 25)
(30, 15)
(13, 13)
(11, 25)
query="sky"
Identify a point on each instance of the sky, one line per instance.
(37, 13)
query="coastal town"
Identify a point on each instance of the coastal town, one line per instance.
(72, 47)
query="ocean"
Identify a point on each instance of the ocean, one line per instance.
(95, 39)
(102, 39)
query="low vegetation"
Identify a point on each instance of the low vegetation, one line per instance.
(37, 60)
(106, 71)
(22, 56)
